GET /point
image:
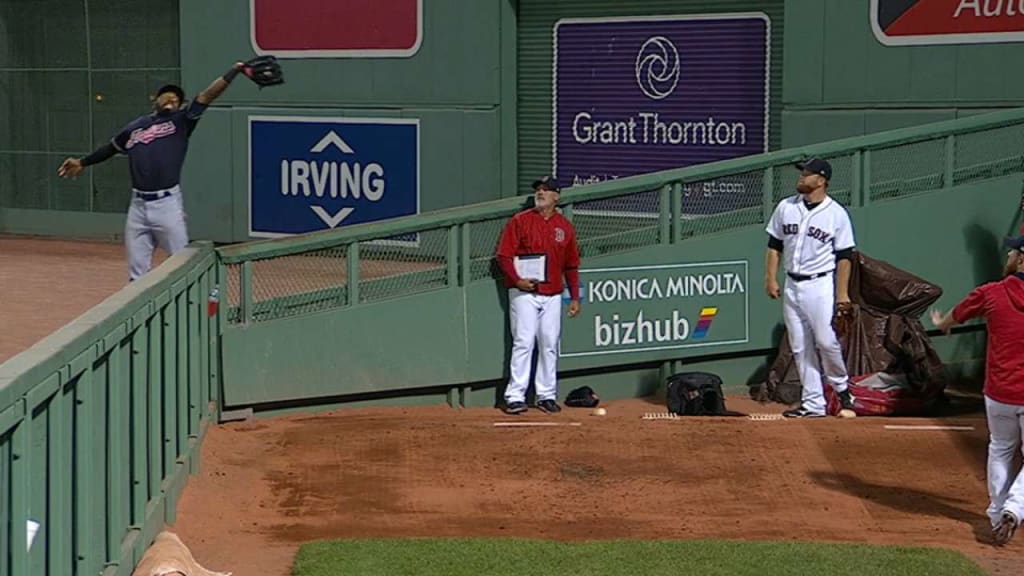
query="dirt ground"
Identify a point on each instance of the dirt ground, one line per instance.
(46, 283)
(267, 486)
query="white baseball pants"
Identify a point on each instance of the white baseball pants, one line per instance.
(150, 224)
(1005, 489)
(534, 318)
(807, 308)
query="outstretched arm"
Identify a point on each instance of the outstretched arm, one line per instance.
(943, 322)
(72, 167)
(218, 86)
(973, 306)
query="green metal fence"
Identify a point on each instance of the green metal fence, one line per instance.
(279, 278)
(100, 424)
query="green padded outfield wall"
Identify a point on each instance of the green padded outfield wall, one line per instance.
(841, 80)
(452, 83)
(72, 73)
(322, 356)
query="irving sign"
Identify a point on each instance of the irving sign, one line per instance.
(645, 308)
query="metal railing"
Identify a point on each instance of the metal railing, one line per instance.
(100, 424)
(376, 261)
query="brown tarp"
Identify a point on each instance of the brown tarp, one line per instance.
(883, 333)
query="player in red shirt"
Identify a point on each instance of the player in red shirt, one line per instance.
(537, 248)
(1001, 304)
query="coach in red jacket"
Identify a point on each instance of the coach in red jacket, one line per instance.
(1001, 304)
(537, 249)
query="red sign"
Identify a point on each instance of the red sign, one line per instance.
(911, 22)
(336, 28)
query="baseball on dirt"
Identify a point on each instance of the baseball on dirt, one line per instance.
(599, 412)
(847, 413)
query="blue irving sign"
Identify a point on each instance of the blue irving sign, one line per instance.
(308, 174)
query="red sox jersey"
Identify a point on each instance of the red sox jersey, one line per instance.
(528, 233)
(811, 237)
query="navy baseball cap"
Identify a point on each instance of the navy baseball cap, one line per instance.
(549, 183)
(816, 166)
(1015, 243)
(173, 89)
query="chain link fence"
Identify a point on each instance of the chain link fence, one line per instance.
(403, 265)
(719, 204)
(988, 154)
(617, 224)
(907, 169)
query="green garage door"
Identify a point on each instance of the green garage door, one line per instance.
(536, 24)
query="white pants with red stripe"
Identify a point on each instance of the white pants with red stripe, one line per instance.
(534, 319)
(807, 308)
(1005, 487)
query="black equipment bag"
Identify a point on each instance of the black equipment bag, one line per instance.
(695, 394)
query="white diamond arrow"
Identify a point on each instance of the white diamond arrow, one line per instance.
(332, 221)
(332, 138)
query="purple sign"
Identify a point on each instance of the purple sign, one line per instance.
(641, 94)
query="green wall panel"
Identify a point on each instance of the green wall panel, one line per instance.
(839, 61)
(400, 344)
(535, 48)
(43, 34)
(839, 80)
(395, 345)
(113, 45)
(456, 65)
(213, 203)
(44, 110)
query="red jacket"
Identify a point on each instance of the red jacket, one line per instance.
(1002, 305)
(528, 232)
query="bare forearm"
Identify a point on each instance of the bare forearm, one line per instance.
(843, 280)
(218, 86)
(771, 265)
(214, 90)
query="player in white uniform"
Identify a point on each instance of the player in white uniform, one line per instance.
(813, 235)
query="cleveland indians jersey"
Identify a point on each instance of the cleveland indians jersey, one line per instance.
(156, 145)
(811, 237)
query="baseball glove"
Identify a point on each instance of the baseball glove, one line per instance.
(264, 71)
(582, 397)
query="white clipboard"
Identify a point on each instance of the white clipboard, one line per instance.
(532, 267)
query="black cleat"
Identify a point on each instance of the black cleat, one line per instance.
(549, 407)
(846, 399)
(515, 408)
(1003, 531)
(801, 413)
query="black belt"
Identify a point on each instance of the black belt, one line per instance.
(801, 277)
(150, 196)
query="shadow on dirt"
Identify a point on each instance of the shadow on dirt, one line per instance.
(908, 500)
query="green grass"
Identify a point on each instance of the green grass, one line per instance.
(499, 557)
